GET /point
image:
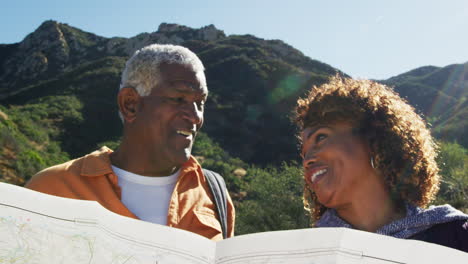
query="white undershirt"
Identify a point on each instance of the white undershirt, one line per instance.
(147, 197)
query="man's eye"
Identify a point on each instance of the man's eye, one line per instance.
(177, 99)
(201, 105)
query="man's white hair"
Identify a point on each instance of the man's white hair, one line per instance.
(142, 70)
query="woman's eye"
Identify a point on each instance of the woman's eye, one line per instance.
(320, 137)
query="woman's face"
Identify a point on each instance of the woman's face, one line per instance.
(336, 164)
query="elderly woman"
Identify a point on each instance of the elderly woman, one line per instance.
(369, 164)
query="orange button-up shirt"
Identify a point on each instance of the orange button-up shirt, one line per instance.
(91, 177)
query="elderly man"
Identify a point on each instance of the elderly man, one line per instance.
(152, 175)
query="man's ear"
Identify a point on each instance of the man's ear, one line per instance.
(128, 100)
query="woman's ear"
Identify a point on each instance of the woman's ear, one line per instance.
(373, 149)
(128, 100)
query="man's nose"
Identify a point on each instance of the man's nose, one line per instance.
(193, 113)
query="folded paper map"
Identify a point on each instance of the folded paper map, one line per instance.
(40, 228)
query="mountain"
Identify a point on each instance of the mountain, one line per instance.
(253, 84)
(58, 87)
(440, 94)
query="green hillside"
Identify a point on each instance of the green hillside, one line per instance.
(253, 84)
(441, 95)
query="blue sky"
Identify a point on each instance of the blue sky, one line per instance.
(365, 38)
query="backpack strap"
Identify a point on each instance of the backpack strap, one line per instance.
(218, 188)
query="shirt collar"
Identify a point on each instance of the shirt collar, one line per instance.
(97, 163)
(190, 165)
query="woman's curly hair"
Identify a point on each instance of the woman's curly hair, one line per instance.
(402, 146)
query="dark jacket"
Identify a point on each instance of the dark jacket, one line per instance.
(452, 234)
(442, 225)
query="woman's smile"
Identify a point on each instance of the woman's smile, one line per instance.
(335, 161)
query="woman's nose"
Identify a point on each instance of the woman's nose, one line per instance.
(309, 157)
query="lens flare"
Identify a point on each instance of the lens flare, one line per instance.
(453, 88)
(287, 87)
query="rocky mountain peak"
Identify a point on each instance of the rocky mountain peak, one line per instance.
(207, 33)
(49, 50)
(34, 55)
(47, 37)
(47, 25)
(211, 33)
(167, 33)
(169, 27)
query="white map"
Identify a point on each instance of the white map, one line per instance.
(29, 236)
(39, 228)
